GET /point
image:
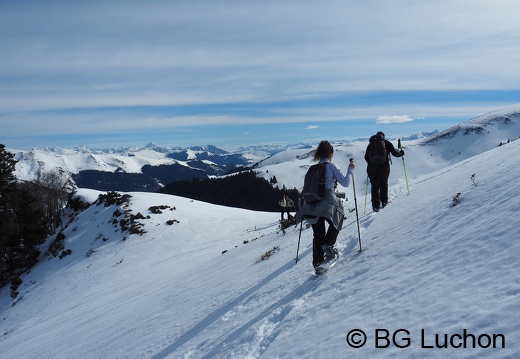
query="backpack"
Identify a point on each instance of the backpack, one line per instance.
(377, 150)
(314, 183)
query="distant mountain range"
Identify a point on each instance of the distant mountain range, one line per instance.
(150, 167)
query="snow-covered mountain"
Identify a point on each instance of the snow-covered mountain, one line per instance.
(477, 135)
(131, 168)
(150, 167)
(423, 154)
(203, 281)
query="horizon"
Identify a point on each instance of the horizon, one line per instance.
(237, 74)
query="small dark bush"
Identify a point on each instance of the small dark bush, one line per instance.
(158, 209)
(57, 245)
(113, 198)
(15, 283)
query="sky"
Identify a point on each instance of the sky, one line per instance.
(233, 73)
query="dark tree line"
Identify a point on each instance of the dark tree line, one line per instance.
(29, 213)
(242, 190)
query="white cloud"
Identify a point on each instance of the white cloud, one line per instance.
(385, 120)
(312, 127)
(100, 55)
(135, 52)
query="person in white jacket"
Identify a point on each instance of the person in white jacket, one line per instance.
(329, 210)
(286, 203)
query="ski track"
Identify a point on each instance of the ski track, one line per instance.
(252, 339)
(235, 305)
(264, 328)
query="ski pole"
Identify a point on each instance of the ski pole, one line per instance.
(404, 166)
(366, 195)
(355, 203)
(299, 237)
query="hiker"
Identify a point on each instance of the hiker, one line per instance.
(328, 210)
(286, 203)
(378, 173)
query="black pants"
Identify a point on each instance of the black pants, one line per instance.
(378, 176)
(322, 237)
(288, 211)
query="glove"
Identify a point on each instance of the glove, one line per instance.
(402, 152)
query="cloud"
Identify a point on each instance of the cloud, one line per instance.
(385, 120)
(167, 53)
(134, 66)
(312, 127)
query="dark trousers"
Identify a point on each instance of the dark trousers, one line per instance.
(288, 211)
(322, 237)
(379, 182)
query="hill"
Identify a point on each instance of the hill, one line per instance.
(423, 154)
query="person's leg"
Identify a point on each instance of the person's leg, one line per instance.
(375, 184)
(332, 234)
(383, 193)
(329, 252)
(318, 240)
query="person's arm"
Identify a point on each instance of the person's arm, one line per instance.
(390, 148)
(343, 180)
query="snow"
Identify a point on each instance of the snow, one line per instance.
(428, 269)
(32, 163)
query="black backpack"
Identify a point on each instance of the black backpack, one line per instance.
(314, 183)
(377, 150)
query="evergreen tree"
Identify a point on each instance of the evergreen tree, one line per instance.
(7, 225)
(22, 229)
(242, 190)
(7, 167)
(31, 229)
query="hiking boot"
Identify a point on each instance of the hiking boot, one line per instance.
(375, 209)
(320, 270)
(384, 204)
(329, 252)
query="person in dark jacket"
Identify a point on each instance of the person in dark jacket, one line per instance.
(378, 174)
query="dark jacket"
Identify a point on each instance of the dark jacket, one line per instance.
(389, 149)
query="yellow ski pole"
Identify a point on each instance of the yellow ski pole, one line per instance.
(404, 166)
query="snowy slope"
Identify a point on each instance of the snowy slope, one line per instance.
(477, 135)
(171, 292)
(423, 155)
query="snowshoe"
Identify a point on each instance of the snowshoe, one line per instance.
(330, 253)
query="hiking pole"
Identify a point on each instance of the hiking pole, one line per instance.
(404, 166)
(299, 237)
(355, 203)
(366, 195)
